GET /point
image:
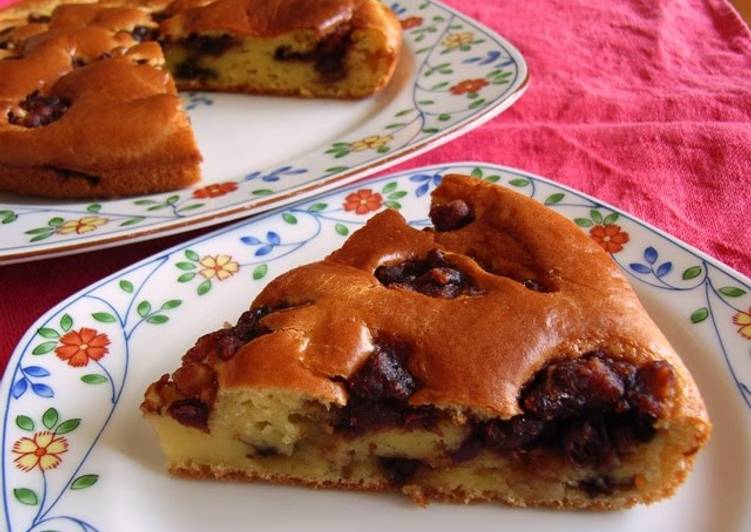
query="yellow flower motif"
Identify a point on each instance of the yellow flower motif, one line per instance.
(454, 40)
(219, 266)
(43, 451)
(743, 319)
(371, 143)
(82, 225)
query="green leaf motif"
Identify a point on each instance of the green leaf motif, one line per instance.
(46, 230)
(518, 182)
(477, 103)
(94, 207)
(172, 199)
(190, 207)
(611, 218)
(157, 319)
(262, 192)
(143, 309)
(336, 169)
(317, 207)
(341, 229)
(144, 202)
(172, 303)
(260, 271)
(49, 418)
(54, 222)
(26, 496)
(289, 218)
(732, 291)
(126, 286)
(393, 204)
(203, 287)
(184, 278)
(94, 378)
(476, 172)
(66, 322)
(9, 218)
(69, 425)
(404, 112)
(583, 222)
(84, 481)
(554, 198)
(397, 195)
(493, 178)
(44, 348)
(691, 273)
(185, 265)
(104, 317)
(596, 216)
(444, 117)
(382, 149)
(192, 255)
(431, 130)
(47, 332)
(41, 237)
(25, 423)
(390, 187)
(699, 315)
(132, 221)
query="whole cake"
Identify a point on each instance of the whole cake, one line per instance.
(499, 355)
(88, 103)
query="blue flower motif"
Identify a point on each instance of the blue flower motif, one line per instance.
(21, 385)
(267, 246)
(196, 100)
(426, 180)
(397, 9)
(489, 58)
(650, 256)
(275, 175)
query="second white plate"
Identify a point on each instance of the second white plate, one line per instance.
(260, 152)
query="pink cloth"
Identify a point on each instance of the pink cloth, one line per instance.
(645, 104)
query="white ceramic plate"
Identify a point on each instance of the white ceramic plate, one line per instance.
(110, 475)
(260, 152)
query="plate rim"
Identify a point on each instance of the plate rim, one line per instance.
(301, 192)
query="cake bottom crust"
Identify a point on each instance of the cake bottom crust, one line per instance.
(425, 492)
(61, 183)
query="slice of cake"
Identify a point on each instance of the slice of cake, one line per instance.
(329, 48)
(88, 106)
(500, 356)
(87, 109)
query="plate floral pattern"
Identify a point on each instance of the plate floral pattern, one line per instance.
(64, 383)
(464, 74)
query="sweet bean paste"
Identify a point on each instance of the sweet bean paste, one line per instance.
(198, 46)
(38, 110)
(591, 410)
(328, 55)
(433, 276)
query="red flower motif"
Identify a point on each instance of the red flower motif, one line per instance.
(468, 85)
(215, 190)
(610, 237)
(363, 201)
(79, 347)
(410, 22)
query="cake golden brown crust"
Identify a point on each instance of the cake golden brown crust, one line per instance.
(57, 124)
(499, 355)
